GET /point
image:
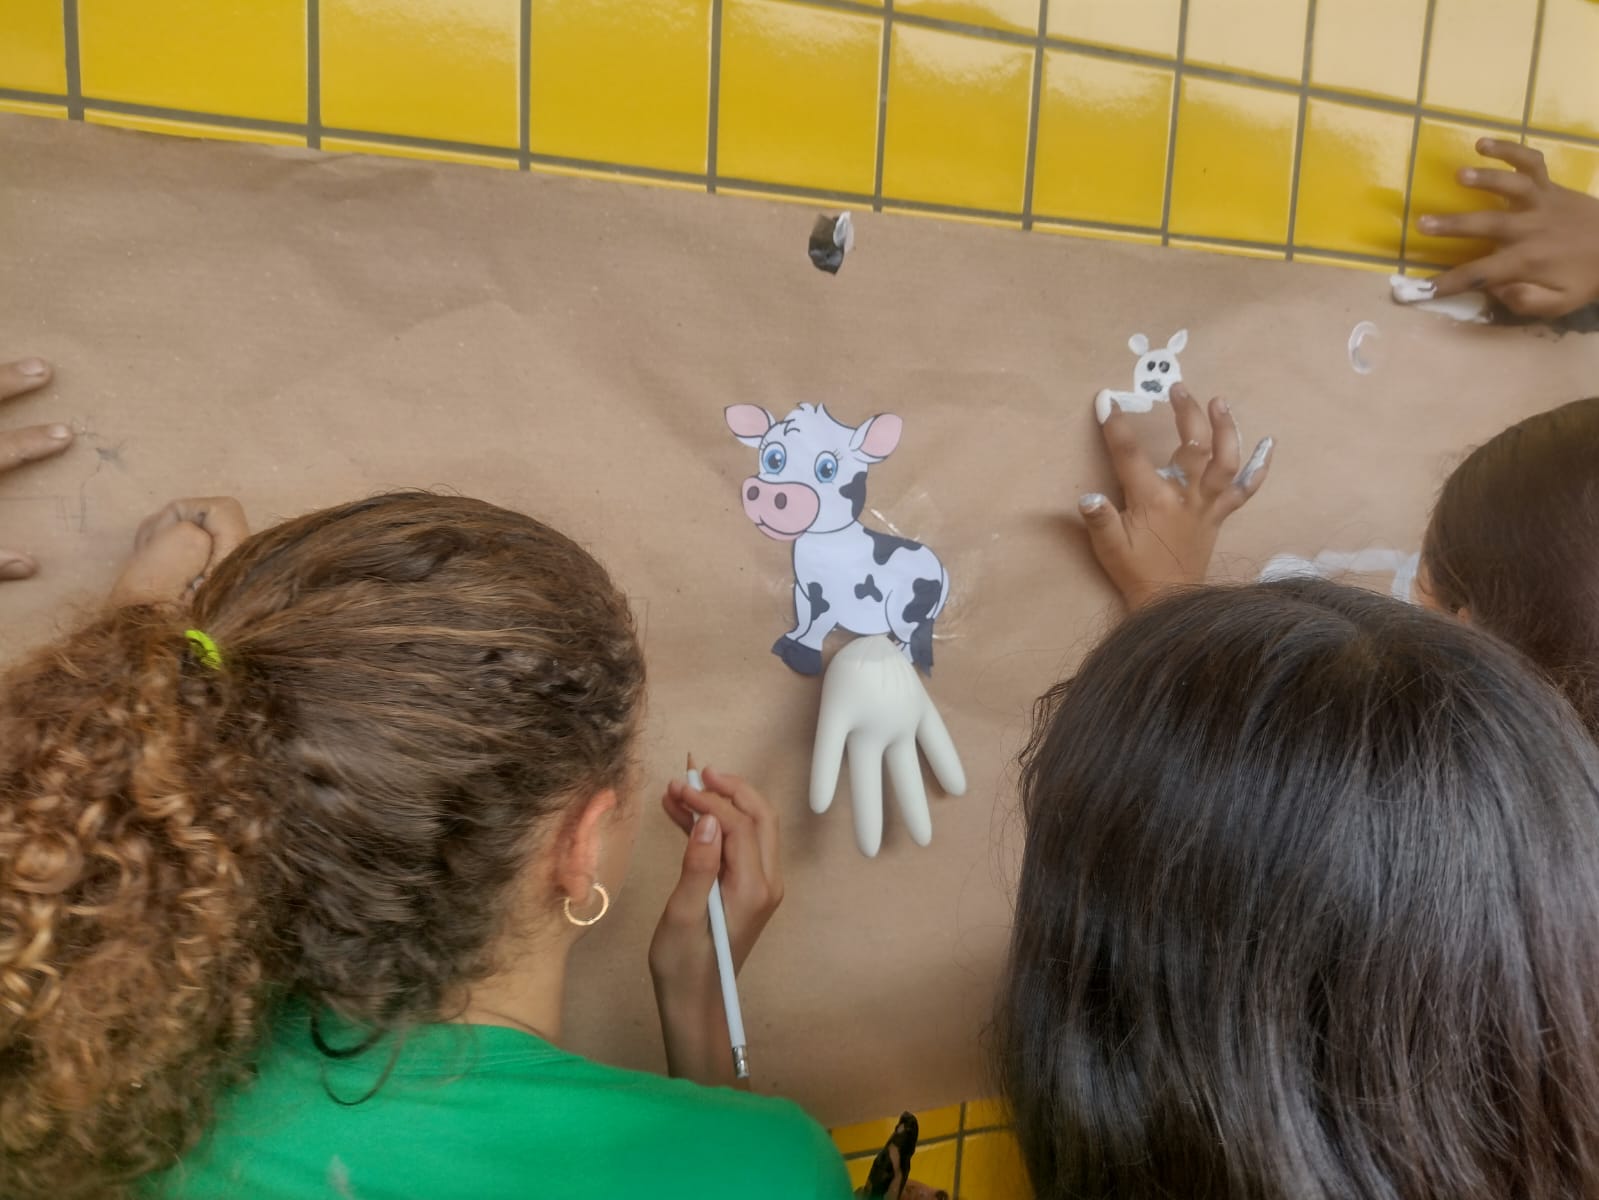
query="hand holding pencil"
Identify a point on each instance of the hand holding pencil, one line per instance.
(733, 845)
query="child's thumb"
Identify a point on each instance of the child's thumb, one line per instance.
(1098, 513)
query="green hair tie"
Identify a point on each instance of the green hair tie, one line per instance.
(205, 648)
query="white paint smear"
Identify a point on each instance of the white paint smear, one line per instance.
(1469, 307)
(1359, 336)
(1331, 563)
(1154, 376)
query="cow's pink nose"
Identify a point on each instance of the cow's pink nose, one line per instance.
(781, 510)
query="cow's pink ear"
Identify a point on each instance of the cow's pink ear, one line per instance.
(749, 422)
(879, 436)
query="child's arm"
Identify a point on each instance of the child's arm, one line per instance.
(19, 446)
(1165, 535)
(1546, 261)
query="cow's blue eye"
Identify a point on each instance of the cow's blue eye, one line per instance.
(774, 458)
(826, 467)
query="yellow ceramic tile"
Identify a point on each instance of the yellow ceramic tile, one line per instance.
(1481, 50)
(1442, 148)
(1266, 37)
(1103, 129)
(621, 175)
(1352, 179)
(1019, 16)
(1565, 92)
(356, 146)
(933, 1166)
(30, 108)
(1262, 252)
(32, 48)
(622, 81)
(244, 58)
(193, 129)
(991, 1169)
(444, 71)
(1103, 235)
(1235, 159)
(959, 218)
(798, 95)
(986, 1114)
(1385, 268)
(1148, 26)
(957, 119)
(1570, 164)
(1371, 46)
(870, 1136)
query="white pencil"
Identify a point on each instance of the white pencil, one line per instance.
(724, 960)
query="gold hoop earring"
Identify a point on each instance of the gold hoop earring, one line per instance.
(605, 907)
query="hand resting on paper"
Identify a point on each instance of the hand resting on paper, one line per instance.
(1546, 261)
(875, 707)
(19, 446)
(176, 548)
(736, 840)
(1166, 532)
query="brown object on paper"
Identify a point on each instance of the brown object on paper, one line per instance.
(298, 330)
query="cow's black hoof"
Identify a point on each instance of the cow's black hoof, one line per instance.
(922, 647)
(798, 658)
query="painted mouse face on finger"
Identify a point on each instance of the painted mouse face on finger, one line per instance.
(1155, 374)
(1157, 370)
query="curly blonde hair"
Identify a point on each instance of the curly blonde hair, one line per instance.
(411, 687)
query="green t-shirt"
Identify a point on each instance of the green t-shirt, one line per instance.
(479, 1112)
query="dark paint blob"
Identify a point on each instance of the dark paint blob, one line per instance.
(855, 492)
(925, 595)
(796, 657)
(819, 604)
(869, 588)
(884, 545)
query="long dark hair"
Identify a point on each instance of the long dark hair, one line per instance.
(412, 690)
(1514, 541)
(1309, 909)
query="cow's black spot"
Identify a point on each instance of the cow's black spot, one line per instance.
(869, 588)
(796, 657)
(925, 595)
(819, 604)
(884, 545)
(855, 492)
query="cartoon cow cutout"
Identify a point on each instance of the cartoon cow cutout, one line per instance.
(810, 490)
(1157, 372)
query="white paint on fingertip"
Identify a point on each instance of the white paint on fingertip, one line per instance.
(1472, 308)
(1256, 463)
(1091, 502)
(1360, 338)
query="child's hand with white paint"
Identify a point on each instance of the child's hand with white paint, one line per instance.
(1546, 262)
(1166, 533)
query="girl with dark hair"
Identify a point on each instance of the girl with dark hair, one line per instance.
(334, 830)
(1512, 545)
(1309, 910)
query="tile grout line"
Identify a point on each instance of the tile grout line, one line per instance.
(1032, 116)
(884, 55)
(1532, 68)
(313, 74)
(74, 61)
(524, 85)
(1171, 134)
(713, 107)
(1299, 129)
(960, 1151)
(1415, 132)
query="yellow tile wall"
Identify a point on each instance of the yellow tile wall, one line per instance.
(1274, 128)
